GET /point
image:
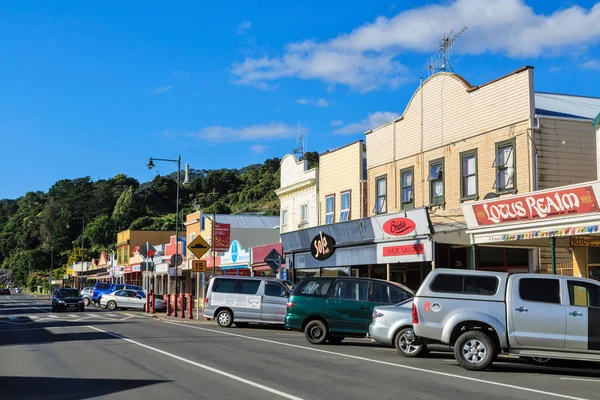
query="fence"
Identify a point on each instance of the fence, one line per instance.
(561, 269)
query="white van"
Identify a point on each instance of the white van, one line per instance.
(243, 299)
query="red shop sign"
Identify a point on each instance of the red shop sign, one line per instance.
(399, 226)
(128, 269)
(404, 250)
(579, 200)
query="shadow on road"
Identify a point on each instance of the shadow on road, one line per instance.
(21, 387)
(559, 367)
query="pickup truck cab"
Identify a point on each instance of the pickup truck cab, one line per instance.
(483, 314)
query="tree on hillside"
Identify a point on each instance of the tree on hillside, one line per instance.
(127, 210)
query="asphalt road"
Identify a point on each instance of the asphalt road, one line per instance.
(130, 355)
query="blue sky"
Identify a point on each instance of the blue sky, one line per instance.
(96, 88)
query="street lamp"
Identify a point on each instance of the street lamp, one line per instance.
(151, 165)
(211, 197)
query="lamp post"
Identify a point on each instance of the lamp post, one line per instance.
(150, 165)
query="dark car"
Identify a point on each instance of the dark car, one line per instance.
(330, 309)
(4, 291)
(67, 299)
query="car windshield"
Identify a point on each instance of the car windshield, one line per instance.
(67, 293)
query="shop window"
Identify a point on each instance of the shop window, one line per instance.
(540, 290)
(505, 166)
(381, 195)
(468, 174)
(436, 182)
(303, 215)
(283, 221)
(407, 188)
(329, 209)
(350, 289)
(345, 206)
(584, 294)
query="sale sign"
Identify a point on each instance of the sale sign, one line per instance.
(548, 204)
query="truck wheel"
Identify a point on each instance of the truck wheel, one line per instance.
(316, 332)
(474, 351)
(405, 346)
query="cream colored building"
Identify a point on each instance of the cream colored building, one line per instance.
(342, 184)
(456, 143)
(298, 195)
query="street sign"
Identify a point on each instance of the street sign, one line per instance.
(199, 246)
(176, 260)
(147, 250)
(274, 260)
(198, 265)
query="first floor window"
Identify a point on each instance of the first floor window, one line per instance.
(380, 195)
(329, 209)
(468, 172)
(436, 182)
(283, 220)
(345, 212)
(505, 166)
(407, 184)
(304, 214)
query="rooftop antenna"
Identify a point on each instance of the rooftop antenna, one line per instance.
(441, 63)
(301, 141)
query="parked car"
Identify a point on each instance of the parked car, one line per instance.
(4, 291)
(67, 299)
(126, 298)
(101, 288)
(483, 314)
(330, 309)
(86, 293)
(240, 300)
(19, 291)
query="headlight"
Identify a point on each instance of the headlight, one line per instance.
(80, 301)
(61, 302)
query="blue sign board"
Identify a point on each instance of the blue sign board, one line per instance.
(234, 251)
(203, 279)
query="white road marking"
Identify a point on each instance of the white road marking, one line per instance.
(126, 318)
(73, 315)
(110, 315)
(53, 316)
(80, 319)
(216, 371)
(467, 378)
(581, 379)
(35, 308)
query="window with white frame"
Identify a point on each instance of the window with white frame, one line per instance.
(303, 215)
(283, 220)
(407, 184)
(329, 209)
(436, 181)
(345, 206)
(468, 173)
(505, 166)
(192, 236)
(381, 195)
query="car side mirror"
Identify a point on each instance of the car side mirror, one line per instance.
(287, 294)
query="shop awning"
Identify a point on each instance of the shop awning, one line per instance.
(225, 267)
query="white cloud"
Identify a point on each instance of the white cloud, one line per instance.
(337, 122)
(592, 64)
(258, 148)
(272, 131)
(370, 56)
(243, 27)
(163, 89)
(373, 120)
(313, 102)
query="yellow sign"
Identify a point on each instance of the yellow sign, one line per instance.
(199, 247)
(69, 271)
(199, 266)
(585, 241)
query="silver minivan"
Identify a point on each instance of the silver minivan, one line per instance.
(243, 299)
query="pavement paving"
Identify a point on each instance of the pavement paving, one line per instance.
(116, 355)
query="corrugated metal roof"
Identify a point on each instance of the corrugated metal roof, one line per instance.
(568, 106)
(248, 221)
(596, 121)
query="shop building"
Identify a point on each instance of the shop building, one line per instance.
(298, 194)
(260, 267)
(128, 240)
(456, 143)
(343, 184)
(563, 219)
(396, 247)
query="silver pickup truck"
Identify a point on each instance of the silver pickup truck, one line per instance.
(483, 314)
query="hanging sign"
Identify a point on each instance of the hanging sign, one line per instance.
(322, 246)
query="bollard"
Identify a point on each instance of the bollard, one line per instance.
(175, 300)
(168, 304)
(153, 303)
(182, 305)
(190, 306)
(147, 303)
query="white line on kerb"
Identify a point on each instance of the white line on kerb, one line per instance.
(581, 379)
(216, 371)
(562, 396)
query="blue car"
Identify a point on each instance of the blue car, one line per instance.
(106, 288)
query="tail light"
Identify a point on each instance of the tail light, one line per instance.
(93, 293)
(206, 300)
(415, 315)
(290, 304)
(377, 314)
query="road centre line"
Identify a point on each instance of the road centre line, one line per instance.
(216, 371)
(562, 396)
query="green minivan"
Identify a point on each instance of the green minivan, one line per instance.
(332, 308)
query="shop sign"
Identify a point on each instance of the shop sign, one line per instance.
(237, 271)
(236, 254)
(128, 269)
(322, 246)
(222, 237)
(547, 204)
(136, 268)
(585, 241)
(399, 226)
(404, 250)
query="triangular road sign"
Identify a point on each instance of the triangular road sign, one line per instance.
(199, 246)
(274, 260)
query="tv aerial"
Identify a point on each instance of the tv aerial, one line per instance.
(441, 63)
